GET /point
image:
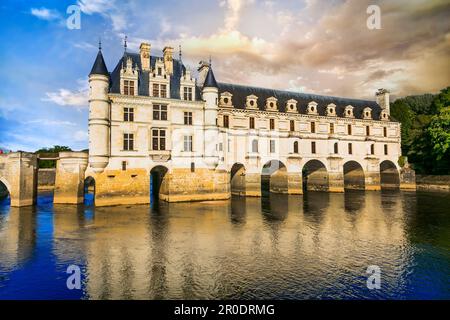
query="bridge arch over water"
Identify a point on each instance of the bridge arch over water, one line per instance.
(274, 177)
(389, 175)
(315, 176)
(354, 178)
(237, 179)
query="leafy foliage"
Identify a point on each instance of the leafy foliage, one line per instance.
(425, 131)
(54, 149)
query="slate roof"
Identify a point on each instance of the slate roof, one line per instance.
(239, 92)
(99, 66)
(210, 80)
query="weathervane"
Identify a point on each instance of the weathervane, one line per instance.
(125, 43)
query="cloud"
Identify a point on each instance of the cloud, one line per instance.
(80, 136)
(45, 14)
(330, 44)
(48, 122)
(76, 98)
(108, 9)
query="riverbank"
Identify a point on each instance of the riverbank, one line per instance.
(433, 183)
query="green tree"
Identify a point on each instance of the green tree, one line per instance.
(54, 149)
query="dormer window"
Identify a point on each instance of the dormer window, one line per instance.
(159, 71)
(331, 110)
(312, 107)
(128, 87)
(348, 111)
(384, 115)
(159, 90)
(128, 78)
(367, 113)
(291, 105)
(226, 99)
(251, 102)
(271, 104)
(187, 93)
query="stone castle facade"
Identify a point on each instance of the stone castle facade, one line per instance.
(154, 128)
(157, 132)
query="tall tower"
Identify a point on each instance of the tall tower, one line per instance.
(99, 114)
(210, 95)
(382, 97)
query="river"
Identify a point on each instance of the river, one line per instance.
(315, 246)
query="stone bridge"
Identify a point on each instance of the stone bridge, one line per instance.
(294, 174)
(250, 177)
(19, 176)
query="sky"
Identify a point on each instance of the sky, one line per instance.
(312, 46)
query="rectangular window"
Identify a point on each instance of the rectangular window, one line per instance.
(159, 71)
(188, 143)
(226, 123)
(163, 91)
(350, 148)
(372, 149)
(292, 125)
(124, 165)
(221, 146)
(192, 166)
(128, 141)
(272, 146)
(384, 132)
(188, 118)
(128, 87)
(187, 93)
(158, 139)
(252, 123)
(159, 112)
(272, 124)
(313, 147)
(128, 114)
(367, 131)
(332, 128)
(313, 127)
(336, 148)
(156, 90)
(386, 149)
(349, 129)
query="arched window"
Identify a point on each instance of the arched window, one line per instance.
(295, 146)
(255, 146)
(336, 149)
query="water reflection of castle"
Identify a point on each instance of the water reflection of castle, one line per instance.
(202, 250)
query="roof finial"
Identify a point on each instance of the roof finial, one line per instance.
(99, 44)
(180, 54)
(125, 43)
(210, 61)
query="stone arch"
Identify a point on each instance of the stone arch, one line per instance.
(5, 188)
(158, 183)
(237, 179)
(354, 178)
(274, 177)
(389, 175)
(89, 190)
(315, 176)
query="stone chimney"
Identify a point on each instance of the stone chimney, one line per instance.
(202, 72)
(144, 51)
(382, 96)
(168, 59)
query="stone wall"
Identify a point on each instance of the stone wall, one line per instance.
(132, 186)
(433, 183)
(46, 178)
